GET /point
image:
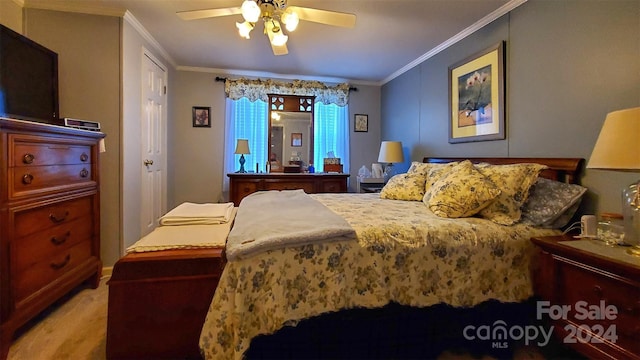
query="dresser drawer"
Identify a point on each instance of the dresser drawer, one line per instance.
(42, 245)
(51, 216)
(29, 151)
(30, 180)
(44, 272)
(308, 187)
(592, 289)
(333, 186)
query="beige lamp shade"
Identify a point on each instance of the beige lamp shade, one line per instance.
(242, 147)
(618, 145)
(391, 152)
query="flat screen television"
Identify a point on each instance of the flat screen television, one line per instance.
(28, 79)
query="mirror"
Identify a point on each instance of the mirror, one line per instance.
(290, 132)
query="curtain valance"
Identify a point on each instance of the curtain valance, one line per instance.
(259, 89)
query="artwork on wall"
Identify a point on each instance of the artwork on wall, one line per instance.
(361, 123)
(476, 97)
(296, 139)
(201, 116)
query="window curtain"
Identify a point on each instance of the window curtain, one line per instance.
(331, 134)
(245, 119)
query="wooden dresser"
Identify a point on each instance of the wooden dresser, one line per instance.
(593, 296)
(243, 184)
(49, 218)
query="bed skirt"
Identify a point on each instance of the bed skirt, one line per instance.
(398, 332)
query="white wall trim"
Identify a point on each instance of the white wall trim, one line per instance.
(128, 17)
(263, 74)
(504, 9)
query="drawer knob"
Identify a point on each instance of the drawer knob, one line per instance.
(60, 265)
(59, 241)
(84, 173)
(84, 157)
(27, 179)
(28, 158)
(57, 219)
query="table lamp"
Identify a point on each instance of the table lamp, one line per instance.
(618, 148)
(390, 152)
(242, 147)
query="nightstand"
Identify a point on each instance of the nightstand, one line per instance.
(590, 293)
(370, 185)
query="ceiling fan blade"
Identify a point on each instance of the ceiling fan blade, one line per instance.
(279, 49)
(208, 13)
(325, 17)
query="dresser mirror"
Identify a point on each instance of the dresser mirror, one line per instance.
(290, 142)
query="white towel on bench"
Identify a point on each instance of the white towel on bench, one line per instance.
(198, 214)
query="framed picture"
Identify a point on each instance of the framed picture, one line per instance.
(201, 116)
(476, 97)
(296, 139)
(361, 123)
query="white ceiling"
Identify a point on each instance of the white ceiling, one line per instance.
(390, 36)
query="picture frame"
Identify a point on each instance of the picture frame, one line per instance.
(476, 97)
(361, 123)
(201, 116)
(296, 139)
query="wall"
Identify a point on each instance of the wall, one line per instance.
(11, 15)
(88, 48)
(198, 162)
(568, 63)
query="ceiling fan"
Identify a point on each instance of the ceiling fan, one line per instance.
(273, 13)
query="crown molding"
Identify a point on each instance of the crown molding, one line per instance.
(264, 74)
(128, 17)
(504, 9)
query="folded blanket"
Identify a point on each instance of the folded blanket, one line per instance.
(184, 237)
(198, 214)
(271, 220)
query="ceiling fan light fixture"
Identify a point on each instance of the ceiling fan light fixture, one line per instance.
(244, 29)
(274, 33)
(290, 20)
(250, 11)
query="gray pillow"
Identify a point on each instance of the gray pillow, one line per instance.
(551, 204)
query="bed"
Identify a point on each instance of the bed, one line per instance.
(340, 292)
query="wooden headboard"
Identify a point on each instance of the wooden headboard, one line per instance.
(560, 169)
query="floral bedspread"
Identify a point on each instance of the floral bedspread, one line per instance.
(403, 253)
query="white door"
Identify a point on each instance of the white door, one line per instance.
(153, 143)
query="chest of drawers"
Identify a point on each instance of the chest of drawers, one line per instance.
(243, 184)
(49, 218)
(593, 295)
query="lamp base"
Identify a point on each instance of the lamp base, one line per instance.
(389, 171)
(631, 215)
(242, 161)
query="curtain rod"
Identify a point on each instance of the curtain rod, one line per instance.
(222, 79)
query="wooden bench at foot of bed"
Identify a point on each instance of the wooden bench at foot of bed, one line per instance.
(158, 302)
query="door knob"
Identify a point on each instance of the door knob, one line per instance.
(148, 162)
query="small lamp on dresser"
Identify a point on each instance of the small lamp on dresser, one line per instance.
(242, 148)
(618, 148)
(390, 152)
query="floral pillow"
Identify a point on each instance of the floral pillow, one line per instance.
(420, 168)
(436, 171)
(551, 203)
(514, 181)
(408, 186)
(462, 192)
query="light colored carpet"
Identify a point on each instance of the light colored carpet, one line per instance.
(75, 327)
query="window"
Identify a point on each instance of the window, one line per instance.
(247, 119)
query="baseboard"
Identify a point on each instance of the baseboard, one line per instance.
(107, 271)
